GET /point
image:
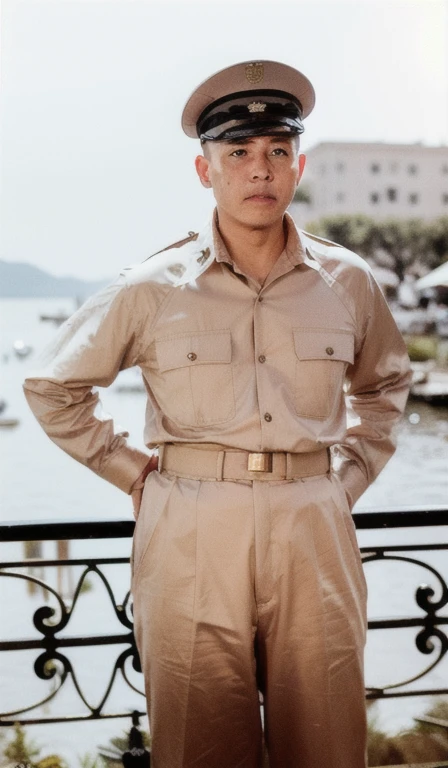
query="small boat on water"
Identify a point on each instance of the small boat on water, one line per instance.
(21, 349)
(4, 421)
(61, 315)
(429, 384)
(58, 318)
(8, 423)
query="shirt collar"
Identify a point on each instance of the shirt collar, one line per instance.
(294, 250)
(210, 247)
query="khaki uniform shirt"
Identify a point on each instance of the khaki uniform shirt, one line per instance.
(312, 358)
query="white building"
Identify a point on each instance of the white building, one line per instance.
(379, 180)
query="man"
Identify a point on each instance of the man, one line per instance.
(262, 348)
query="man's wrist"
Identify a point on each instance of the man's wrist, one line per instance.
(139, 483)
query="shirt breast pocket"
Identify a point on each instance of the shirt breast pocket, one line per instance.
(322, 356)
(196, 377)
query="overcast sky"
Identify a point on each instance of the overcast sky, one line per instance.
(96, 172)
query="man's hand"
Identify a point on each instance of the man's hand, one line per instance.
(137, 488)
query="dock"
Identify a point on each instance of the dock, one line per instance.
(429, 384)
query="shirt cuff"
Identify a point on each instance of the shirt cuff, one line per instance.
(124, 467)
(353, 481)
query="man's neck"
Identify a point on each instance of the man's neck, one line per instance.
(254, 251)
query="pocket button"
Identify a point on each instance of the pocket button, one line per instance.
(329, 351)
(192, 355)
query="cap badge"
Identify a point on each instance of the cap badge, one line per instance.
(255, 72)
(256, 106)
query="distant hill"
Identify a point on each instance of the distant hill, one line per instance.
(23, 281)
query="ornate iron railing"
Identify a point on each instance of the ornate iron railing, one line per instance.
(52, 663)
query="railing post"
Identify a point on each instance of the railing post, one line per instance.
(136, 756)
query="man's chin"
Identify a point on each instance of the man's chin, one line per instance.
(261, 217)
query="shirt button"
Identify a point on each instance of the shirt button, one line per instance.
(192, 355)
(329, 351)
(267, 417)
(261, 358)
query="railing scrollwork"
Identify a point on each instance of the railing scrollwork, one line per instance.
(52, 621)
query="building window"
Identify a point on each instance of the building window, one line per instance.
(412, 169)
(445, 198)
(375, 168)
(413, 198)
(393, 167)
(392, 194)
(340, 197)
(374, 197)
(340, 167)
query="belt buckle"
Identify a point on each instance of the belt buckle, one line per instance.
(259, 462)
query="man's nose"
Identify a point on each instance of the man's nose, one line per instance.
(261, 170)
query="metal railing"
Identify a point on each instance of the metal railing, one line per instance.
(52, 663)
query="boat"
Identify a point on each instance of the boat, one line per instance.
(59, 318)
(21, 349)
(8, 423)
(429, 384)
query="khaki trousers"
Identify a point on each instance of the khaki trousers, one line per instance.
(223, 568)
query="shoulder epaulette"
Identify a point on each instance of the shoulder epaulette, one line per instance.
(191, 236)
(321, 239)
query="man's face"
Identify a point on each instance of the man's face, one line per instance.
(253, 179)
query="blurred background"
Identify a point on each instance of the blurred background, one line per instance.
(96, 173)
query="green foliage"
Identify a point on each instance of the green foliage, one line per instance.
(421, 744)
(422, 348)
(353, 232)
(398, 243)
(439, 235)
(91, 761)
(302, 194)
(86, 586)
(22, 750)
(51, 761)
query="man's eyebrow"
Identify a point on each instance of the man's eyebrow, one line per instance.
(232, 142)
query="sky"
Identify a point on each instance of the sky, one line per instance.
(96, 172)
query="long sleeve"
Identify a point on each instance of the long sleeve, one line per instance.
(98, 341)
(376, 393)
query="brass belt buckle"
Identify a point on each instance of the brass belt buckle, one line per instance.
(259, 462)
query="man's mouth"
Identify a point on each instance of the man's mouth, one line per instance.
(261, 197)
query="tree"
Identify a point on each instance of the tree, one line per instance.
(396, 243)
(438, 235)
(302, 194)
(23, 752)
(399, 242)
(20, 749)
(353, 232)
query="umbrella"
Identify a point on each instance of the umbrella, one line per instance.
(437, 277)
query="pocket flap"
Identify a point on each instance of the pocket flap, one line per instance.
(323, 344)
(194, 349)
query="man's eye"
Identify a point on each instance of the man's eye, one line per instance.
(279, 151)
(238, 153)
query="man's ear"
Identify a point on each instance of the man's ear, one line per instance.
(301, 167)
(202, 165)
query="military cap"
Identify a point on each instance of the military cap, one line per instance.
(252, 98)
